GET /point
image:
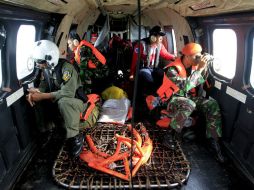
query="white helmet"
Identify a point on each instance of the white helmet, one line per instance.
(46, 51)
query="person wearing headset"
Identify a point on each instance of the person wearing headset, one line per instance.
(151, 50)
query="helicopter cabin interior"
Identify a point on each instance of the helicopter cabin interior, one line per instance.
(224, 29)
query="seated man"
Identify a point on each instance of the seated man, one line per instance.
(187, 73)
(151, 49)
(64, 82)
(90, 60)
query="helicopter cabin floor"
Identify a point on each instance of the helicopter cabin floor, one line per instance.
(206, 173)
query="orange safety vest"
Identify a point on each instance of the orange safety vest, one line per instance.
(168, 87)
(96, 52)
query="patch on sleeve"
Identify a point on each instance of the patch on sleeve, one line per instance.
(66, 76)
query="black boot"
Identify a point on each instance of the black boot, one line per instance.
(188, 135)
(217, 150)
(74, 145)
(169, 140)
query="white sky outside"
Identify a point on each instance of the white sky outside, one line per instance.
(1, 75)
(252, 67)
(224, 52)
(25, 44)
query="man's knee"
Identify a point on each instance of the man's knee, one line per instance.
(146, 75)
(63, 103)
(213, 106)
(67, 104)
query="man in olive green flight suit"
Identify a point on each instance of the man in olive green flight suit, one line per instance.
(64, 87)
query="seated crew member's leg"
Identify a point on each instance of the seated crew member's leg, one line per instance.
(157, 75)
(212, 113)
(146, 80)
(144, 83)
(180, 109)
(70, 108)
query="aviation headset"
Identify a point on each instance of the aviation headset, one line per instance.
(153, 38)
(74, 37)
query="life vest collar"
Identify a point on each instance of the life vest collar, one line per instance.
(96, 52)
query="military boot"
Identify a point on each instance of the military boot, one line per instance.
(217, 150)
(169, 140)
(74, 145)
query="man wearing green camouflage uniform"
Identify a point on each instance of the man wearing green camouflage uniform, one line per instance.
(90, 60)
(183, 104)
(189, 72)
(64, 88)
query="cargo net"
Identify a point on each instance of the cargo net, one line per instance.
(165, 167)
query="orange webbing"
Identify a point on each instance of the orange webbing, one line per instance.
(104, 162)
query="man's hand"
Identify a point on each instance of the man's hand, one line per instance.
(29, 99)
(37, 96)
(202, 63)
(33, 97)
(33, 90)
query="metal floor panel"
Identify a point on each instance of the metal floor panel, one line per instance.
(166, 168)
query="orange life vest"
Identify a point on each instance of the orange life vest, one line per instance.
(168, 87)
(96, 52)
(180, 67)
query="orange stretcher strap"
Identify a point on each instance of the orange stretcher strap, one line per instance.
(104, 162)
(129, 115)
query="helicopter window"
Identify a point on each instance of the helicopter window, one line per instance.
(170, 43)
(252, 66)
(1, 75)
(224, 51)
(25, 43)
(2, 44)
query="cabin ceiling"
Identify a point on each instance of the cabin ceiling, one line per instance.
(124, 7)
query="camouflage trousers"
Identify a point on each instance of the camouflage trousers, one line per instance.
(180, 108)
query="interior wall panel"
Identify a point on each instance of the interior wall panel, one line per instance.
(169, 17)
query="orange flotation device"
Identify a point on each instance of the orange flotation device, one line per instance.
(95, 51)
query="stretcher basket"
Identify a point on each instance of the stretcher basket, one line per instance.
(166, 168)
